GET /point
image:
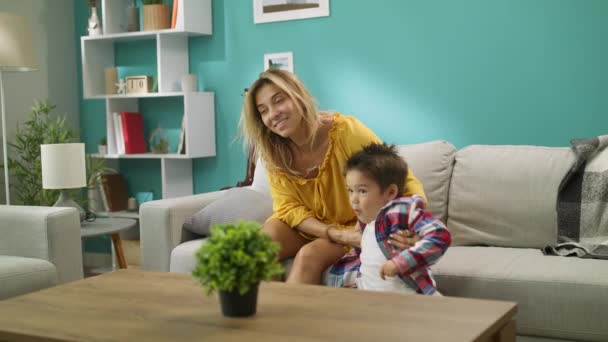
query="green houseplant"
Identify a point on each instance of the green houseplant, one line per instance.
(234, 260)
(25, 168)
(42, 127)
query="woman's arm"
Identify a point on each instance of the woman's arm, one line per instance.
(314, 227)
(350, 237)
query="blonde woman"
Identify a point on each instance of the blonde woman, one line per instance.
(305, 151)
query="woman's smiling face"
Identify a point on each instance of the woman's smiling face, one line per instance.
(277, 110)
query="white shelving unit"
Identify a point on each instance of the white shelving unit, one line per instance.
(193, 19)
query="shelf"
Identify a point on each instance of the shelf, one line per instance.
(142, 95)
(140, 35)
(119, 214)
(172, 63)
(142, 156)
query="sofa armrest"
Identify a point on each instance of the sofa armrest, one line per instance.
(161, 224)
(49, 233)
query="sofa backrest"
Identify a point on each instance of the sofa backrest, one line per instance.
(432, 163)
(506, 195)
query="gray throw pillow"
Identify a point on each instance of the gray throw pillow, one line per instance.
(238, 204)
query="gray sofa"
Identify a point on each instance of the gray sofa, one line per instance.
(499, 204)
(40, 247)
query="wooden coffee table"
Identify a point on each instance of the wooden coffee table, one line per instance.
(133, 305)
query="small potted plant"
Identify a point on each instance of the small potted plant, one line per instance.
(155, 15)
(233, 261)
(102, 148)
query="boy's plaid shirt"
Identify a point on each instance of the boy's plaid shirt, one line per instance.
(405, 213)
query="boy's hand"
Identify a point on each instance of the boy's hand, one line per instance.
(403, 239)
(389, 269)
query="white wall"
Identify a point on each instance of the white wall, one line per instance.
(55, 44)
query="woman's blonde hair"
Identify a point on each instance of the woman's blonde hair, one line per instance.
(273, 148)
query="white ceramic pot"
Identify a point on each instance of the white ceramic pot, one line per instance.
(102, 149)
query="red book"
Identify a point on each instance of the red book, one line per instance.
(133, 132)
(174, 14)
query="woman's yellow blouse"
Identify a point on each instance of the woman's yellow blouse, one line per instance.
(326, 197)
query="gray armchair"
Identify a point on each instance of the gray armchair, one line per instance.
(40, 247)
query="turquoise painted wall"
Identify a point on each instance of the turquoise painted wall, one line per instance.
(469, 71)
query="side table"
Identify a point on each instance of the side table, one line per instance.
(109, 226)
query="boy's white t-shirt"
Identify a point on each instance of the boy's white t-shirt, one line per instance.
(372, 260)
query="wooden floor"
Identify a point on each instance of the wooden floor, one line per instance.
(132, 253)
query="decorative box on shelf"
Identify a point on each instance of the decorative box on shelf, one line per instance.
(139, 84)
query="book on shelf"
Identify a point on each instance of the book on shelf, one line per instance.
(174, 13)
(181, 147)
(114, 191)
(120, 142)
(112, 144)
(133, 132)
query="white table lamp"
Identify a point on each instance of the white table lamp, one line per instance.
(16, 55)
(63, 167)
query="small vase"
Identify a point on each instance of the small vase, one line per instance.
(236, 305)
(132, 19)
(94, 23)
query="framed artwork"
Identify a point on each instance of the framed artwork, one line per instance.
(283, 60)
(266, 11)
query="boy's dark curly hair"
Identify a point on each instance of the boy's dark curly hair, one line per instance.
(381, 163)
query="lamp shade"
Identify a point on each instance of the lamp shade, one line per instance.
(17, 53)
(63, 166)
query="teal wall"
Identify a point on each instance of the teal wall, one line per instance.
(468, 71)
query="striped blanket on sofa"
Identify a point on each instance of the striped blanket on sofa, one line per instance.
(582, 202)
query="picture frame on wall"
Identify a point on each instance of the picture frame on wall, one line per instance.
(266, 11)
(282, 60)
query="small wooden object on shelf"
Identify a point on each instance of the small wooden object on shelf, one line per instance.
(139, 84)
(111, 78)
(156, 17)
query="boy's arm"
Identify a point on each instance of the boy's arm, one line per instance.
(435, 238)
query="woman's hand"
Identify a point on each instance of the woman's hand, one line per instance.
(403, 239)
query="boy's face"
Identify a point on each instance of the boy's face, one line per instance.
(365, 195)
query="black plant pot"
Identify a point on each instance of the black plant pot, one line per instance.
(236, 305)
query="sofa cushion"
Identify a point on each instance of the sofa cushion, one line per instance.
(432, 164)
(183, 256)
(506, 195)
(20, 275)
(260, 178)
(237, 204)
(557, 296)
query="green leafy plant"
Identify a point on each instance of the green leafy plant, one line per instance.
(103, 141)
(95, 169)
(25, 168)
(236, 257)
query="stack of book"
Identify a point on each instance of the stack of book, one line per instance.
(128, 133)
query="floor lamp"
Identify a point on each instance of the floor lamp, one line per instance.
(16, 55)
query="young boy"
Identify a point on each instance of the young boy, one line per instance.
(374, 177)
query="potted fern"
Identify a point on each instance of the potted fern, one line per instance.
(233, 261)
